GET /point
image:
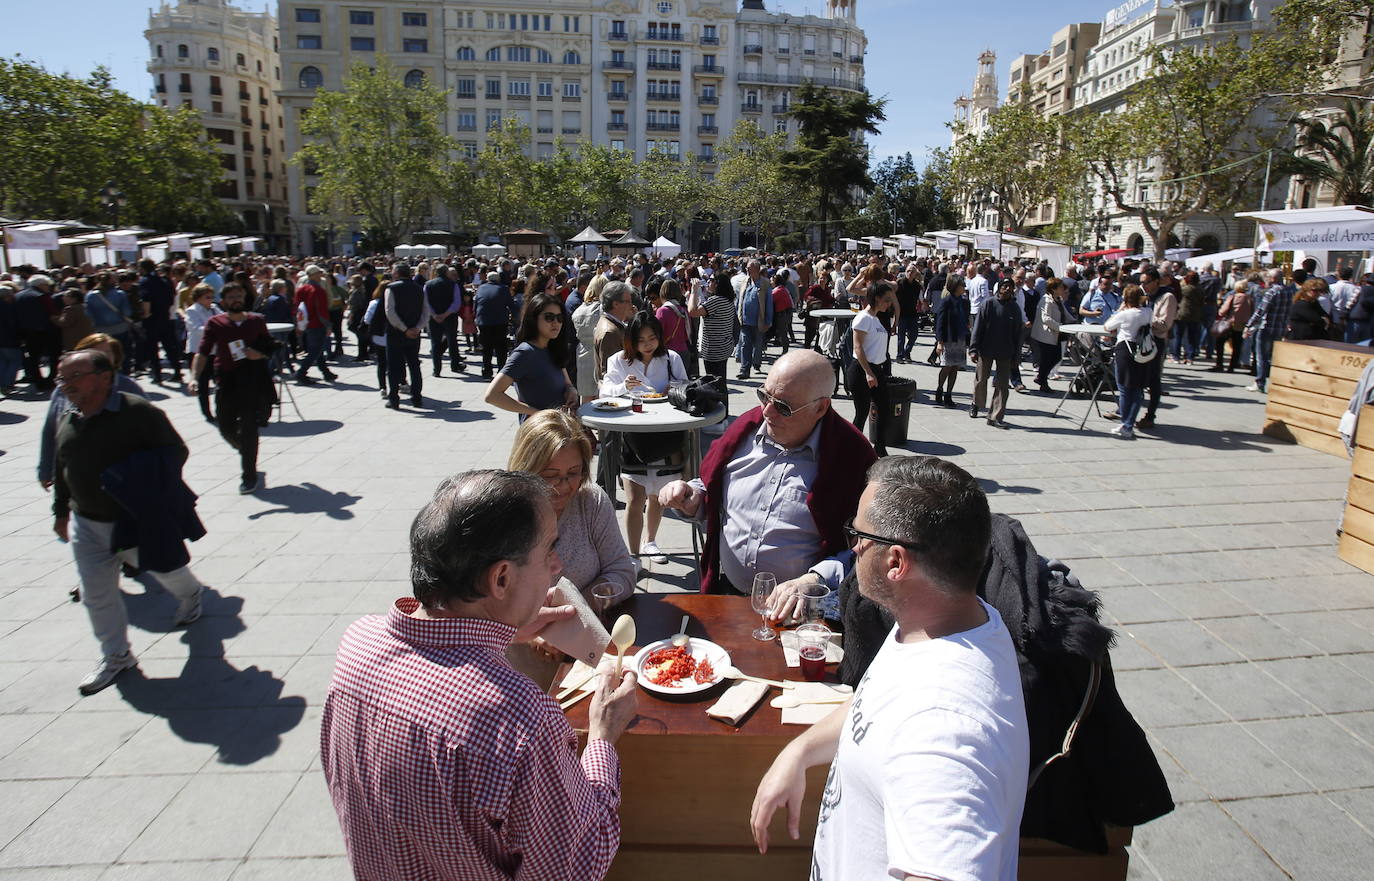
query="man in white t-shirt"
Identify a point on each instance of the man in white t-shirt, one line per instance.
(928, 760)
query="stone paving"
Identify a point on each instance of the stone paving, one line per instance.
(1246, 646)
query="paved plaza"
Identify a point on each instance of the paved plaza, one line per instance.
(1246, 647)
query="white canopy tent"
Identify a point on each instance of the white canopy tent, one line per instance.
(1244, 255)
(664, 247)
(488, 250)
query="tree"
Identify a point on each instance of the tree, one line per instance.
(1187, 141)
(671, 190)
(380, 151)
(750, 187)
(1019, 157)
(604, 186)
(909, 200)
(66, 138)
(505, 179)
(1338, 150)
(829, 159)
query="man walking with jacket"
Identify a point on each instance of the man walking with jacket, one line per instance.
(996, 344)
(407, 311)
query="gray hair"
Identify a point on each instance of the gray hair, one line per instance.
(312, 269)
(613, 292)
(938, 506)
(1274, 275)
(475, 520)
(40, 279)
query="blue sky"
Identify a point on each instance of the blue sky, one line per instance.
(921, 54)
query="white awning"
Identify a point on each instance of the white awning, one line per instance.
(1245, 254)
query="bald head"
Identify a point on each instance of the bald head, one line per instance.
(809, 372)
(803, 380)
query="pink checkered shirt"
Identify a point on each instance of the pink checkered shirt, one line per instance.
(445, 763)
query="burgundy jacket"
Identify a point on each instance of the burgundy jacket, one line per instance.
(844, 457)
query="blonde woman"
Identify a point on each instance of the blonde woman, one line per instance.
(554, 445)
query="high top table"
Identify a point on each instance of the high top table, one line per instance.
(1092, 357)
(661, 416)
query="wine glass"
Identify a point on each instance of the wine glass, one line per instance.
(764, 582)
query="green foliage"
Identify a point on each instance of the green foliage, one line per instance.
(828, 159)
(380, 150)
(65, 138)
(907, 199)
(1321, 26)
(750, 187)
(1020, 157)
(1338, 150)
(671, 191)
(602, 184)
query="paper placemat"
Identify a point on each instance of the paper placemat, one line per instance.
(810, 714)
(833, 655)
(737, 701)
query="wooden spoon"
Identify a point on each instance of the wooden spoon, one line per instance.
(622, 637)
(787, 701)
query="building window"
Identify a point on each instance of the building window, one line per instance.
(184, 85)
(618, 117)
(572, 57)
(469, 149)
(1058, 49)
(414, 19)
(493, 119)
(545, 89)
(212, 54)
(309, 41)
(415, 45)
(517, 53)
(159, 50)
(618, 29)
(493, 54)
(708, 32)
(311, 16)
(518, 87)
(780, 126)
(415, 79)
(215, 87)
(493, 89)
(240, 61)
(361, 17)
(362, 44)
(544, 56)
(572, 24)
(618, 146)
(467, 120)
(183, 51)
(311, 78)
(1195, 17)
(572, 90)
(466, 53)
(467, 87)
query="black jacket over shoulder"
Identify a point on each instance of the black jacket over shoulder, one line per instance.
(157, 509)
(1111, 776)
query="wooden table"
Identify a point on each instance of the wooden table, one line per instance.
(688, 781)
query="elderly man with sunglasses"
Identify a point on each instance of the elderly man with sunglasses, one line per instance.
(777, 487)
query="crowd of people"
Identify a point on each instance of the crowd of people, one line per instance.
(423, 703)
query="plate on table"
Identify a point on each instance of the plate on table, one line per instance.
(701, 651)
(654, 398)
(610, 404)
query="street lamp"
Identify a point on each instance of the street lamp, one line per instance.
(114, 200)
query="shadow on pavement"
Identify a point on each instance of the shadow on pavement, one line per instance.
(12, 418)
(306, 498)
(450, 411)
(241, 712)
(932, 448)
(304, 428)
(991, 486)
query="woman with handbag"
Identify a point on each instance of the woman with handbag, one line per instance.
(1234, 312)
(717, 337)
(672, 314)
(870, 369)
(649, 461)
(1132, 374)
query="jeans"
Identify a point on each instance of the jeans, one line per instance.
(782, 329)
(316, 338)
(1187, 338)
(402, 352)
(1358, 331)
(11, 359)
(876, 397)
(444, 335)
(907, 328)
(336, 326)
(1156, 380)
(750, 350)
(1000, 384)
(379, 353)
(1264, 353)
(494, 343)
(98, 568)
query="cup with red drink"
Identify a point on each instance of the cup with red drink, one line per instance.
(813, 642)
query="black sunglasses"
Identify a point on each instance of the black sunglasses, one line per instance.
(785, 410)
(855, 534)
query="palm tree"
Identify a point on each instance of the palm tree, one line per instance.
(1339, 150)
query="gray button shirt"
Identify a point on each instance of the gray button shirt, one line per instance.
(765, 524)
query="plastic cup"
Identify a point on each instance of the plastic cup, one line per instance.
(603, 596)
(813, 595)
(813, 641)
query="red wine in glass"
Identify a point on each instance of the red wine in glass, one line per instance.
(813, 663)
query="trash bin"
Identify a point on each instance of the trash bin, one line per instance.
(900, 391)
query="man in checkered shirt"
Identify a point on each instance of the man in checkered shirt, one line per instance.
(443, 762)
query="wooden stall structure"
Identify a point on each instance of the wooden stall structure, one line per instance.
(1357, 525)
(1310, 384)
(688, 781)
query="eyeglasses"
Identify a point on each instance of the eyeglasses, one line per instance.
(66, 380)
(553, 317)
(570, 478)
(784, 409)
(855, 534)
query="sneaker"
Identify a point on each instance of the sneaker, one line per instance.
(101, 677)
(188, 611)
(650, 550)
(248, 486)
(1253, 387)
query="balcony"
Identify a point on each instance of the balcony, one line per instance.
(244, 96)
(573, 98)
(493, 96)
(710, 41)
(249, 172)
(856, 59)
(708, 130)
(662, 126)
(707, 100)
(750, 108)
(853, 85)
(620, 36)
(808, 51)
(653, 95)
(617, 65)
(784, 50)
(266, 150)
(216, 90)
(709, 69)
(706, 158)
(663, 65)
(543, 97)
(266, 126)
(248, 148)
(267, 175)
(781, 108)
(245, 120)
(470, 96)
(544, 130)
(160, 88)
(670, 36)
(467, 126)
(518, 97)
(262, 101)
(837, 54)
(617, 127)
(753, 49)
(572, 131)
(617, 96)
